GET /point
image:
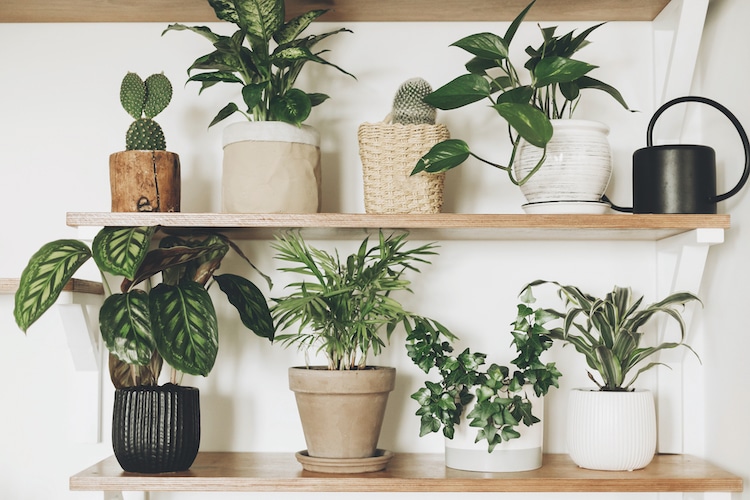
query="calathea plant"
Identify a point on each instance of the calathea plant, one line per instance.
(608, 331)
(174, 321)
(500, 392)
(143, 100)
(264, 57)
(345, 309)
(553, 90)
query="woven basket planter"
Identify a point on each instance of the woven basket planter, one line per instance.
(389, 152)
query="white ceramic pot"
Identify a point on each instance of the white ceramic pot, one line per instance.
(611, 430)
(576, 171)
(270, 167)
(521, 454)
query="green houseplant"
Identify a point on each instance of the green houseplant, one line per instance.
(345, 309)
(608, 332)
(495, 400)
(174, 321)
(551, 91)
(145, 177)
(262, 59)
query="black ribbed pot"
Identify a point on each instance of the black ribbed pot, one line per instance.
(156, 428)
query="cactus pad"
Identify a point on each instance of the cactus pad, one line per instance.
(133, 94)
(145, 134)
(158, 94)
(409, 106)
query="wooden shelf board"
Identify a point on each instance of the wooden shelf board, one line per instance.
(435, 226)
(168, 11)
(218, 471)
(10, 285)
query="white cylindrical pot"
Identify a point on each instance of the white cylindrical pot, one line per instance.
(577, 168)
(611, 430)
(270, 167)
(520, 454)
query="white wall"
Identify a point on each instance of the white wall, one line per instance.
(60, 119)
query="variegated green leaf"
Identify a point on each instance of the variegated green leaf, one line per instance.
(121, 250)
(260, 19)
(125, 324)
(294, 27)
(250, 303)
(184, 324)
(44, 277)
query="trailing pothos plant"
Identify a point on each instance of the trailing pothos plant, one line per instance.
(264, 57)
(608, 331)
(174, 321)
(553, 90)
(344, 308)
(500, 392)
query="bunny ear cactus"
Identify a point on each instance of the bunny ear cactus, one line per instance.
(143, 100)
(409, 107)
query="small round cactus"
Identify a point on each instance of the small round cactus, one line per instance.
(409, 107)
(143, 100)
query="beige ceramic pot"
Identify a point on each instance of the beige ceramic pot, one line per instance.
(341, 410)
(145, 181)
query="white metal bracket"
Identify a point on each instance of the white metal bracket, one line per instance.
(681, 261)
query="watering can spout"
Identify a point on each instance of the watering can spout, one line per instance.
(680, 178)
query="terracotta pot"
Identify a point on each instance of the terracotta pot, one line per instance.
(611, 430)
(156, 428)
(341, 410)
(520, 454)
(270, 167)
(145, 181)
(576, 170)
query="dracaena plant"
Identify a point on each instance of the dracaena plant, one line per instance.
(174, 321)
(551, 91)
(609, 331)
(345, 308)
(263, 57)
(500, 392)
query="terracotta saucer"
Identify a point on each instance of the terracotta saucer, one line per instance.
(344, 465)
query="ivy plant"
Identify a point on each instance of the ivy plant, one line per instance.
(174, 321)
(263, 57)
(500, 393)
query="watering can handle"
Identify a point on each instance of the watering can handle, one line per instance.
(730, 116)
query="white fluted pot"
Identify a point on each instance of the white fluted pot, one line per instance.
(577, 168)
(611, 430)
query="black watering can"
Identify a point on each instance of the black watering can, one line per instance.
(677, 178)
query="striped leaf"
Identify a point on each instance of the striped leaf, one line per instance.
(120, 250)
(250, 303)
(126, 327)
(184, 324)
(44, 277)
(125, 375)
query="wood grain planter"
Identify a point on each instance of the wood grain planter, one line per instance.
(156, 428)
(145, 181)
(342, 411)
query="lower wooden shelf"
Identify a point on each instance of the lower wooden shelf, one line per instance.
(407, 472)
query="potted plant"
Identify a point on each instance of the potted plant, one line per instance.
(155, 428)
(389, 150)
(533, 110)
(487, 414)
(614, 426)
(145, 177)
(344, 309)
(264, 57)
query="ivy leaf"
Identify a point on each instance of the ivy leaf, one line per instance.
(443, 156)
(459, 92)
